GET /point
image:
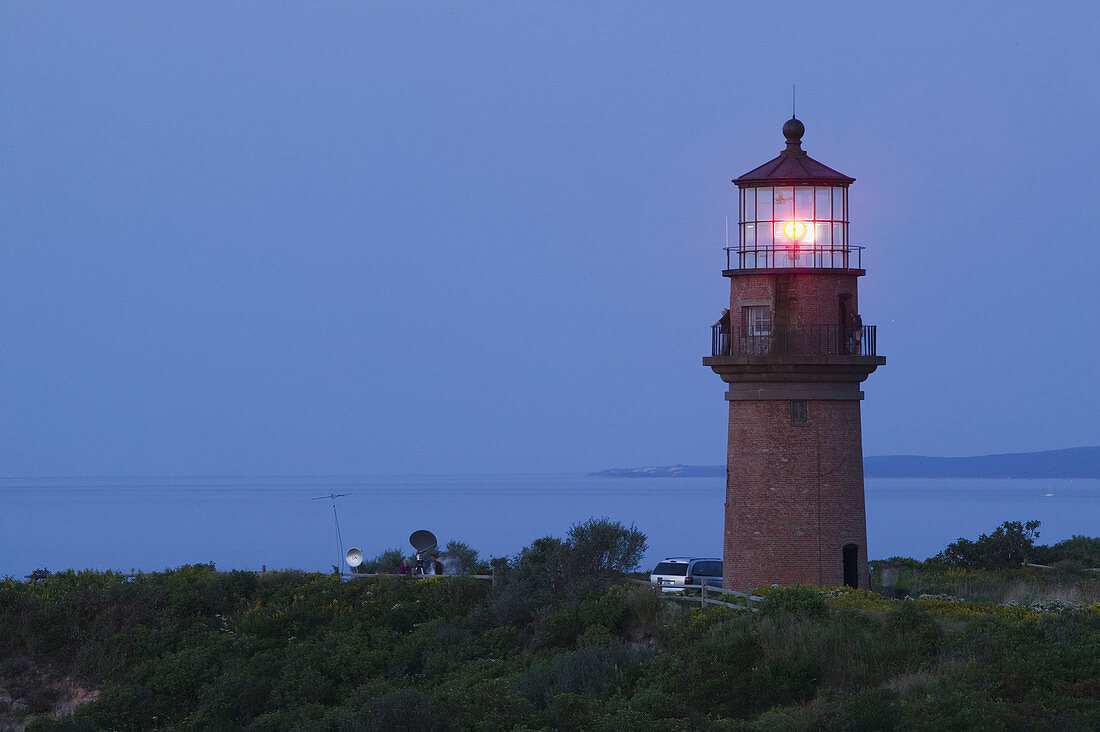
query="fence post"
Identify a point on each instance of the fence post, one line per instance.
(748, 600)
(703, 597)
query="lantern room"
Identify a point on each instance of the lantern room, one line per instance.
(793, 270)
(793, 213)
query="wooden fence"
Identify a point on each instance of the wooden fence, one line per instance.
(706, 596)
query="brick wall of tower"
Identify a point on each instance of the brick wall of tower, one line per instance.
(809, 299)
(794, 495)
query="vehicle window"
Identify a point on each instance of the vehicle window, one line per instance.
(671, 568)
(708, 569)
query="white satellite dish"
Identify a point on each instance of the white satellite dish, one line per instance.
(354, 557)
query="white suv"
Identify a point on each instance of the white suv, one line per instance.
(684, 573)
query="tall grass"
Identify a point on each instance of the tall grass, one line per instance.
(1026, 586)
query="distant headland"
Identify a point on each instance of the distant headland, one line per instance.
(1076, 462)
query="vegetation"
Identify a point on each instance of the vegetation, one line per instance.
(1011, 545)
(562, 643)
(1005, 567)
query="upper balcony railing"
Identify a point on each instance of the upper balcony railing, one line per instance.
(810, 256)
(806, 340)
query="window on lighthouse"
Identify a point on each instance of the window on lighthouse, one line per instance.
(758, 320)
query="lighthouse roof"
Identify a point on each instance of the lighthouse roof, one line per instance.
(793, 166)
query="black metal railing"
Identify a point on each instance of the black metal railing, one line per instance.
(835, 256)
(805, 340)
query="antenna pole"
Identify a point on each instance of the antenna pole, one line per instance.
(339, 543)
(336, 521)
(727, 232)
(794, 98)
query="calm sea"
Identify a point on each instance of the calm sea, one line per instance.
(248, 522)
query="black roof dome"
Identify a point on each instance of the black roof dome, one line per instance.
(793, 166)
(793, 130)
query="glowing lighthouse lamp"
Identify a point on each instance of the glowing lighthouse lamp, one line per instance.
(794, 230)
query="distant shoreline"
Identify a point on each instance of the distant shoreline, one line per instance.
(1075, 462)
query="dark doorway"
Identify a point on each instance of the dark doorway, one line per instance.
(851, 565)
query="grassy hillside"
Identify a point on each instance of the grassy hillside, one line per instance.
(560, 645)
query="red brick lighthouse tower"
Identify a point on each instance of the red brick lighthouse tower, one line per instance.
(793, 351)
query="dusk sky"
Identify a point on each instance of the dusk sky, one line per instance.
(393, 238)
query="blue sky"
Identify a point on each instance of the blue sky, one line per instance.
(379, 238)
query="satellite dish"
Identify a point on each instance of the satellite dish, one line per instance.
(354, 557)
(422, 541)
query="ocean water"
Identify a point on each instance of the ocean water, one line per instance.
(246, 522)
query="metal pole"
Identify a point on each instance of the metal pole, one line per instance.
(339, 541)
(339, 544)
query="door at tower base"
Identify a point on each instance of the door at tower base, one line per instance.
(794, 495)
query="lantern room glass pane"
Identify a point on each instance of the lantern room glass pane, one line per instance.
(821, 234)
(784, 203)
(838, 234)
(764, 234)
(838, 204)
(748, 205)
(823, 206)
(803, 203)
(750, 236)
(763, 204)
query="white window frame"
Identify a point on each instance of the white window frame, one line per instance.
(758, 320)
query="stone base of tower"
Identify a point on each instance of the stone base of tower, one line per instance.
(795, 509)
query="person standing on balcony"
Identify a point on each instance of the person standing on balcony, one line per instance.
(721, 345)
(855, 340)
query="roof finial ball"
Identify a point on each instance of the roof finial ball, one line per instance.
(793, 130)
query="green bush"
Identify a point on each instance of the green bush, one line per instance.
(872, 709)
(596, 670)
(798, 601)
(1083, 549)
(388, 562)
(466, 557)
(1010, 545)
(914, 626)
(599, 546)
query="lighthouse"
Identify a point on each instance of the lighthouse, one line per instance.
(793, 350)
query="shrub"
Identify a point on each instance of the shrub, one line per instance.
(868, 710)
(464, 555)
(542, 563)
(600, 546)
(914, 625)
(388, 562)
(595, 670)
(797, 601)
(1083, 549)
(405, 709)
(1009, 546)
